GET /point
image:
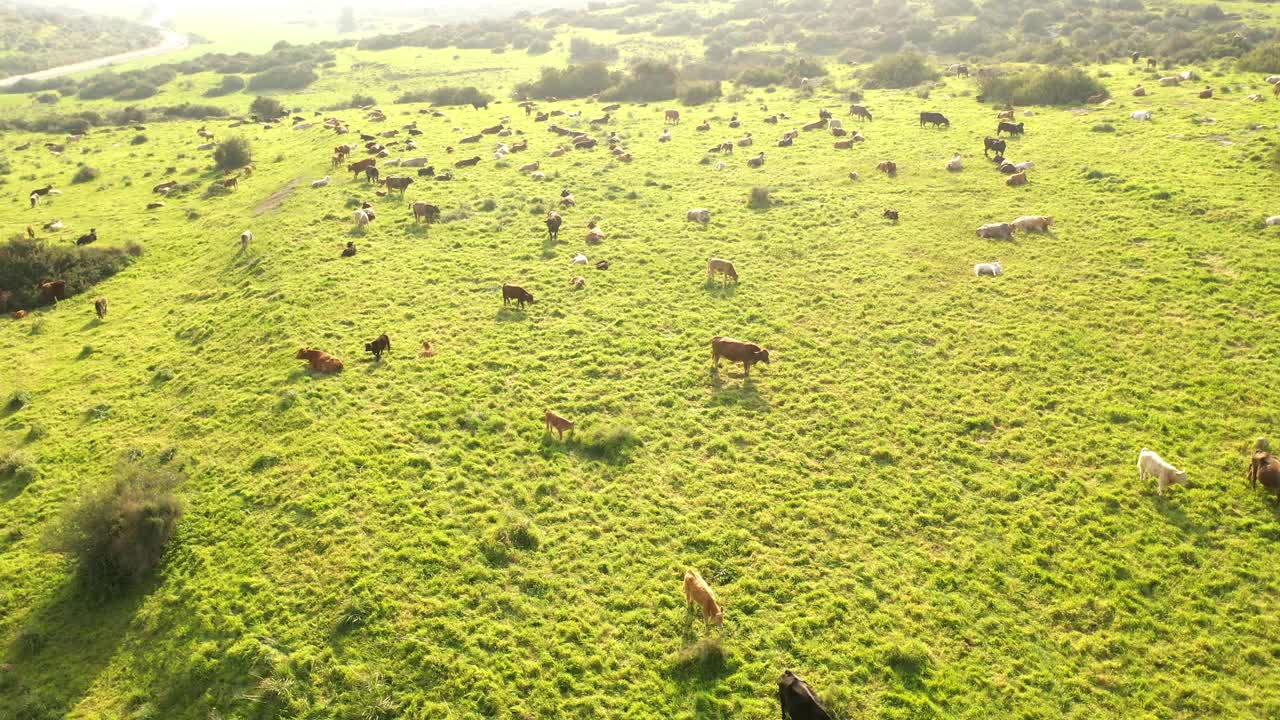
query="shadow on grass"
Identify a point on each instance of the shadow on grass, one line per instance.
(93, 323)
(64, 646)
(1171, 508)
(611, 444)
(508, 313)
(419, 230)
(719, 289)
(743, 395)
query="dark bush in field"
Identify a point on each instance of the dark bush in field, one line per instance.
(539, 47)
(233, 154)
(24, 263)
(138, 140)
(583, 50)
(48, 98)
(267, 108)
(900, 71)
(574, 81)
(117, 534)
(646, 81)
(697, 93)
(448, 95)
(84, 174)
(5, 166)
(1262, 59)
(759, 198)
(189, 111)
(1041, 87)
(229, 84)
(761, 77)
(286, 77)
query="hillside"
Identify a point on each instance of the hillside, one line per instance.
(35, 38)
(926, 504)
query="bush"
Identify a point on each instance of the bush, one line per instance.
(233, 154)
(1103, 128)
(5, 166)
(761, 77)
(760, 198)
(1041, 87)
(539, 47)
(229, 84)
(117, 534)
(610, 443)
(84, 174)
(574, 81)
(359, 101)
(447, 95)
(697, 93)
(18, 400)
(646, 82)
(24, 263)
(48, 98)
(284, 77)
(192, 112)
(583, 50)
(1262, 59)
(138, 140)
(900, 71)
(267, 108)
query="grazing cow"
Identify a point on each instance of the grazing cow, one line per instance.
(397, 182)
(360, 166)
(1033, 223)
(100, 307)
(425, 211)
(697, 591)
(704, 127)
(320, 361)
(230, 183)
(165, 187)
(890, 214)
(246, 237)
(1151, 63)
(955, 164)
(91, 237)
(1016, 179)
(322, 182)
(1265, 468)
(673, 117)
(1139, 91)
(726, 148)
(1011, 128)
(553, 222)
(515, 292)
(996, 231)
(349, 250)
(1140, 114)
(557, 422)
(379, 346)
(991, 269)
(469, 162)
(736, 351)
(860, 111)
(371, 174)
(888, 167)
(52, 290)
(798, 700)
(1152, 465)
(757, 161)
(937, 119)
(1206, 93)
(716, 266)
(699, 216)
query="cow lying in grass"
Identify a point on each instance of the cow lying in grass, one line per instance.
(320, 361)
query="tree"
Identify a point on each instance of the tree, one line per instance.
(267, 108)
(1034, 21)
(347, 20)
(233, 154)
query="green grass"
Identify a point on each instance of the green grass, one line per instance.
(926, 505)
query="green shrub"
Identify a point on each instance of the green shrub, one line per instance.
(48, 98)
(539, 47)
(117, 533)
(1262, 59)
(583, 50)
(447, 95)
(233, 154)
(1050, 86)
(646, 81)
(138, 140)
(760, 198)
(1103, 128)
(284, 77)
(229, 84)
(611, 443)
(25, 262)
(18, 400)
(574, 81)
(761, 77)
(267, 108)
(900, 70)
(84, 174)
(697, 93)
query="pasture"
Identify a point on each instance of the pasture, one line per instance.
(926, 504)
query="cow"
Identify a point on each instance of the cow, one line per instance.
(427, 172)
(553, 222)
(361, 218)
(1265, 469)
(1016, 179)
(697, 591)
(746, 141)
(494, 130)
(699, 216)
(891, 215)
(91, 237)
(426, 211)
(1011, 128)
(996, 231)
(371, 174)
(860, 111)
(958, 69)
(398, 182)
(1272, 221)
(515, 292)
(786, 141)
(1033, 223)
(165, 187)
(936, 119)
(843, 144)
(771, 120)
(320, 361)
(1170, 81)
(469, 162)
(52, 290)
(379, 346)
(471, 139)
(736, 351)
(991, 269)
(955, 164)
(716, 266)
(322, 182)
(1152, 465)
(595, 235)
(1140, 114)
(554, 421)
(704, 127)
(1006, 115)
(1139, 91)
(757, 161)
(798, 700)
(672, 117)
(246, 237)
(1135, 56)
(100, 307)
(360, 166)
(1151, 63)
(1206, 94)
(888, 167)
(231, 183)
(349, 250)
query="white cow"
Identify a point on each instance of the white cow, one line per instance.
(1140, 114)
(1152, 465)
(700, 215)
(1273, 221)
(246, 237)
(322, 182)
(955, 164)
(992, 268)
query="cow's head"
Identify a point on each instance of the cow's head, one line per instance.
(762, 355)
(305, 354)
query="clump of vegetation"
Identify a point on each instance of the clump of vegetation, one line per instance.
(447, 95)
(16, 467)
(267, 108)
(18, 400)
(117, 533)
(574, 81)
(138, 139)
(697, 93)
(611, 443)
(1049, 86)
(761, 77)
(646, 81)
(1103, 128)
(1262, 59)
(25, 262)
(285, 77)
(84, 174)
(900, 71)
(759, 198)
(229, 84)
(583, 50)
(233, 154)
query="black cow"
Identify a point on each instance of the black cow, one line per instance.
(371, 174)
(553, 225)
(379, 346)
(482, 105)
(996, 144)
(935, 118)
(92, 237)
(1011, 128)
(798, 700)
(429, 171)
(515, 292)
(1134, 57)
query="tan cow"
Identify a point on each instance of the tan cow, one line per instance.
(1033, 223)
(697, 591)
(716, 266)
(1017, 179)
(557, 422)
(736, 351)
(320, 361)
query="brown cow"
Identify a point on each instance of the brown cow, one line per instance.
(379, 346)
(553, 221)
(554, 421)
(704, 127)
(798, 700)
(492, 130)
(1016, 179)
(53, 290)
(716, 266)
(515, 292)
(815, 125)
(888, 167)
(844, 144)
(469, 162)
(100, 307)
(426, 211)
(1206, 93)
(736, 351)
(860, 111)
(230, 183)
(697, 591)
(360, 166)
(320, 361)
(673, 117)
(891, 214)
(1265, 468)
(398, 182)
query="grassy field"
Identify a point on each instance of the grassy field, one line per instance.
(926, 505)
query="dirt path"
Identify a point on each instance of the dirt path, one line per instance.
(275, 199)
(172, 41)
